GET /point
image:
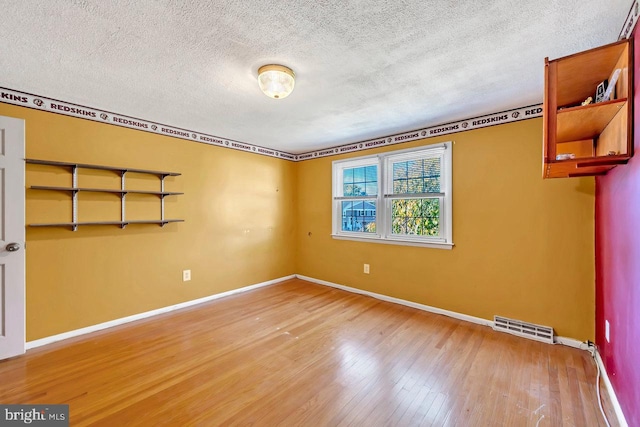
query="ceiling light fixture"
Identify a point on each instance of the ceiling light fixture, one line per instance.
(276, 81)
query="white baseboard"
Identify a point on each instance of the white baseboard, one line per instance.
(612, 394)
(478, 320)
(558, 339)
(571, 342)
(123, 320)
(382, 297)
(71, 334)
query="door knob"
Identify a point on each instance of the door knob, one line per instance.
(12, 247)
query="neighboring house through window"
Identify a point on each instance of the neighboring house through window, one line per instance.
(359, 216)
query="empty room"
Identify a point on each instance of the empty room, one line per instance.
(319, 213)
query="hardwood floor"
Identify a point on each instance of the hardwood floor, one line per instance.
(301, 354)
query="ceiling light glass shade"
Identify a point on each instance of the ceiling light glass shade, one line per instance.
(276, 81)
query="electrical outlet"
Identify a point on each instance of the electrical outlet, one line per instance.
(606, 330)
(366, 269)
(186, 275)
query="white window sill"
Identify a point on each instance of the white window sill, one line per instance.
(435, 245)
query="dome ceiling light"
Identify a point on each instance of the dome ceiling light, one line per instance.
(276, 81)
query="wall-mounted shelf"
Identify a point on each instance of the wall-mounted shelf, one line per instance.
(100, 167)
(104, 190)
(119, 223)
(122, 192)
(591, 139)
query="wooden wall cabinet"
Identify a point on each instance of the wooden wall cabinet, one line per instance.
(598, 136)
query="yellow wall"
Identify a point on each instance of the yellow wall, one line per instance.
(239, 211)
(524, 246)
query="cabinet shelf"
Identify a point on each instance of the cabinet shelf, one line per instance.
(596, 137)
(590, 166)
(122, 192)
(586, 122)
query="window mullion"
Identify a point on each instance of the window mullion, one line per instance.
(381, 221)
(384, 203)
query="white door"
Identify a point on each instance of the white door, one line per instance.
(12, 259)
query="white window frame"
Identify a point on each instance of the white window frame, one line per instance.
(338, 198)
(384, 197)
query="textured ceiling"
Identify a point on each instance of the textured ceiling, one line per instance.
(364, 69)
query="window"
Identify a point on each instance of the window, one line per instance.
(401, 197)
(358, 196)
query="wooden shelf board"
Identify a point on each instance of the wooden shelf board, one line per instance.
(586, 122)
(602, 161)
(104, 190)
(100, 167)
(570, 170)
(582, 166)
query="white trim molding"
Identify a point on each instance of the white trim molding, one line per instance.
(406, 303)
(435, 245)
(612, 394)
(460, 316)
(570, 342)
(123, 320)
(116, 322)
